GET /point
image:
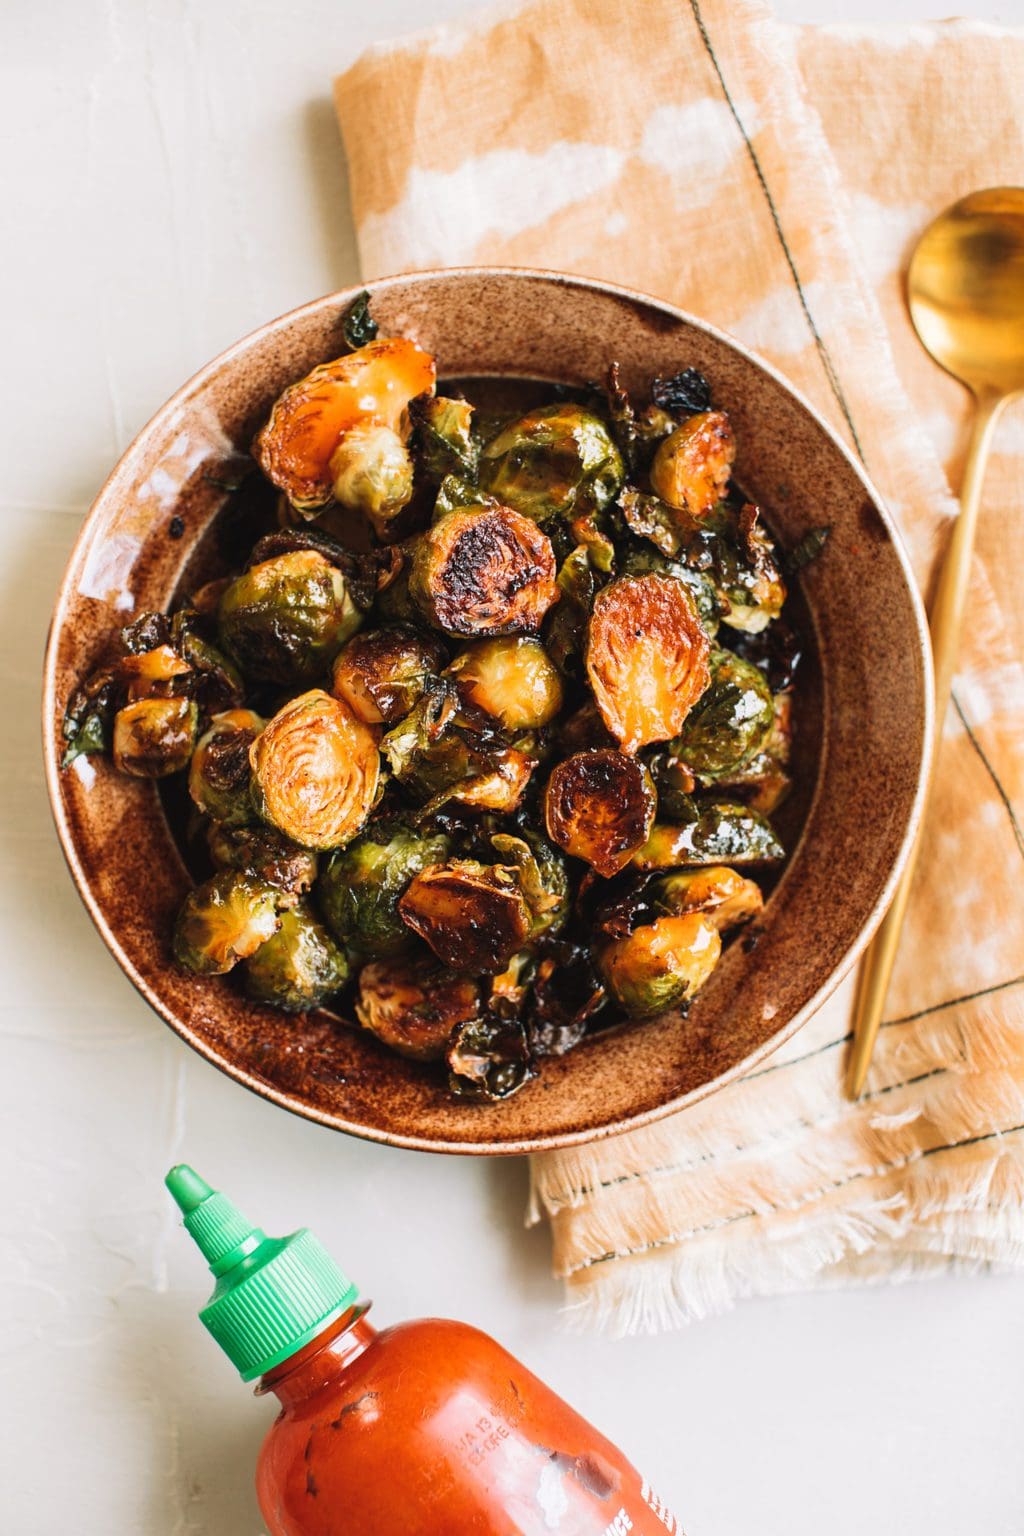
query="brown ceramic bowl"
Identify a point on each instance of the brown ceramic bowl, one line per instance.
(863, 722)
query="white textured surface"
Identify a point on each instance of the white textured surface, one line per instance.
(172, 177)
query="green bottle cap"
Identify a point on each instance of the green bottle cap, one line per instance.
(273, 1294)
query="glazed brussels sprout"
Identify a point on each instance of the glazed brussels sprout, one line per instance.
(308, 421)
(474, 916)
(511, 678)
(361, 885)
(298, 967)
(371, 471)
(718, 830)
(647, 658)
(644, 560)
(437, 761)
(265, 854)
(542, 876)
(413, 1008)
(444, 435)
(315, 769)
(382, 673)
(488, 1059)
(216, 683)
(224, 920)
(556, 459)
(484, 571)
(599, 806)
(730, 722)
(154, 737)
(152, 674)
(740, 558)
(692, 466)
(725, 898)
(285, 619)
(218, 777)
(661, 965)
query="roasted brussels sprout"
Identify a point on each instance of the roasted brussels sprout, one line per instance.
(309, 419)
(216, 683)
(600, 806)
(314, 771)
(361, 884)
(644, 560)
(557, 459)
(488, 1059)
(661, 965)
(436, 761)
(730, 722)
(511, 678)
(692, 466)
(444, 435)
(224, 920)
(265, 854)
(154, 737)
(724, 897)
(501, 787)
(382, 673)
(285, 619)
(647, 658)
(637, 433)
(474, 916)
(218, 777)
(739, 555)
(414, 1007)
(484, 571)
(718, 830)
(371, 471)
(152, 674)
(542, 878)
(298, 967)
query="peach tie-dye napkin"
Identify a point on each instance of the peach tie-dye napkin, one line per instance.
(771, 180)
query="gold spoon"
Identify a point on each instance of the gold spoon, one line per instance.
(965, 288)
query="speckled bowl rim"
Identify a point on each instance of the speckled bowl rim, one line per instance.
(530, 1144)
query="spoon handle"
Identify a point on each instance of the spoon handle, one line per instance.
(945, 623)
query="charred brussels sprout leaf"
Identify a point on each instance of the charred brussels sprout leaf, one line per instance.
(542, 879)
(567, 993)
(730, 722)
(443, 432)
(651, 518)
(637, 434)
(808, 549)
(218, 778)
(299, 967)
(357, 325)
(309, 419)
(718, 831)
(661, 965)
(488, 1059)
(223, 921)
(383, 673)
(314, 771)
(484, 571)
(154, 737)
(286, 619)
(474, 916)
(265, 854)
(692, 466)
(647, 658)
(599, 806)
(558, 459)
(511, 987)
(738, 554)
(566, 628)
(413, 1008)
(725, 897)
(361, 885)
(217, 684)
(89, 716)
(684, 394)
(511, 678)
(435, 760)
(145, 633)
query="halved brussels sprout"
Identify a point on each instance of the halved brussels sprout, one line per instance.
(511, 678)
(154, 737)
(661, 965)
(644, 560)
(647, 658)
(600, 806)
(265, 854)
(724, 897)
(315, 769)
(444, 436)
(361, 884)
(218, 778)
(730, 722)
(382, 673)
(308, 420)
(474, 916)
(567, 993)
(488, 1059)
(298, 967)
(692, 466)
(285, 619)
(719, 830)
(542, 878)
(484, 571)
(224, 920)
(371, 471)
(556, 459)
(413, 1008)
(436, 760)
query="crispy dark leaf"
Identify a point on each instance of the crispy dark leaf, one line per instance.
(358, 325)
(684, 394)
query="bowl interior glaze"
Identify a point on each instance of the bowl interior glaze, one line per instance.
(864, 713)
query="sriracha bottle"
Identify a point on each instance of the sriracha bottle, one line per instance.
(426, 1428)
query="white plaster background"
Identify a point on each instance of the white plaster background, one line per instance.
(170, 177)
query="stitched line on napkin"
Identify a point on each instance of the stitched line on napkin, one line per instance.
(1004, 797)
(823, 352)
